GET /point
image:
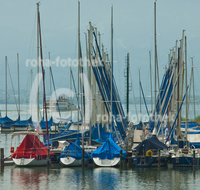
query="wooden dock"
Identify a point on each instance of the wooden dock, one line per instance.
(5, 161)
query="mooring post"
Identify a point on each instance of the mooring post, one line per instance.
(1, 157)
(193, 158)
(158, 158)
(121, 158)
(83, 158)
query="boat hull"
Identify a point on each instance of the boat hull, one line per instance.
(106, 162)
(12, 129)
(29, 162)
(70, 161)
(184, 161)
(6, 129)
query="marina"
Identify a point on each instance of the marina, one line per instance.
(83, 130)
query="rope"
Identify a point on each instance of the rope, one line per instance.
(7, 157)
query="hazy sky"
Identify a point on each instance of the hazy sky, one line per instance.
(133, 29)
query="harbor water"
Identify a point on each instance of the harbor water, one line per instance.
(56, 177)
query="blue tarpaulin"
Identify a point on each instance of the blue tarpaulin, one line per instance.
(108, 150)
(43, 123)
(73, 150)
(99, 130)
(24, 123)
(6, 122)
(190, 124)
(151, 143)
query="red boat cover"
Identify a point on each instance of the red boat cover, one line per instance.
(31, 147)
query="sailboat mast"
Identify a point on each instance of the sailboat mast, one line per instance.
(37, 67)
(151, 80)
(111, 118)
(44, 94)
(155, 49)
(186, 90)
(127, 88)
(50, 81)
(71, 90)
(140, 95)
(193, 88)
(18, 84)
(31, 88)
(6, 82)
(78, 59)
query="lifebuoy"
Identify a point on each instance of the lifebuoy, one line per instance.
(149, 153)
(11, 149)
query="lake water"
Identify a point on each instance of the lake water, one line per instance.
(60, 178)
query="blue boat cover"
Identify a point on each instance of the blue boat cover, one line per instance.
(5, 119)
(99, 130)
(190, 124)
(24, 123)
(77, 141)
(108, 150)
(6, 122)
(43, 123)
(73, 150)
(151, 143)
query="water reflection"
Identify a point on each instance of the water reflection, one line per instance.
(174, 178)
(26, 178)
(57, 177)
(106, 178)
(1, 171)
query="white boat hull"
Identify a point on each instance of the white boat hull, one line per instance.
(22, 128)
(29, 162)
(5, 129)
(106, 162)
(69, 161)
(12, 129)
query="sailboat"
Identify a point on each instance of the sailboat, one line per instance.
(185, 156)
(32, 152)
(23, 125)
(72, 155)
(108, 154)
(146, 153)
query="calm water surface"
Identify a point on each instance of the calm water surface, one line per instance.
(56, 177)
